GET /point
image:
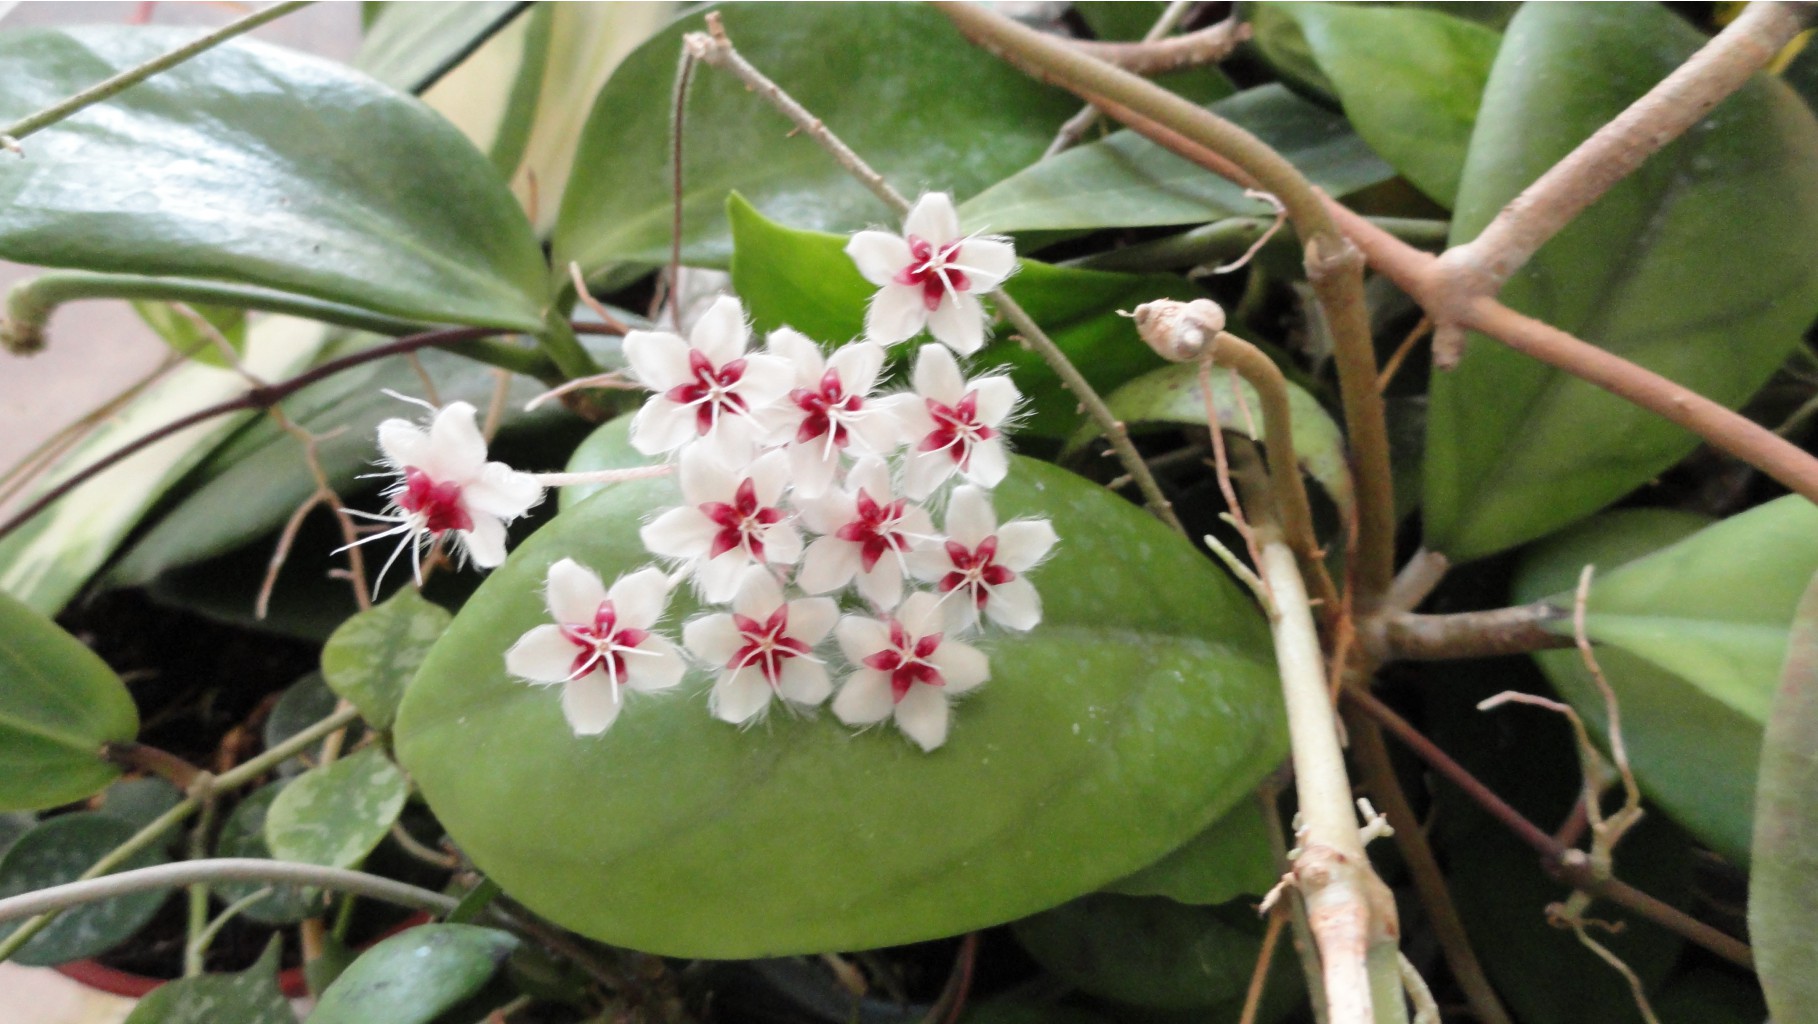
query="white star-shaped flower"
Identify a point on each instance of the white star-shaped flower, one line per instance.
(866, 534)
(931, 276)
(955, 425)
(730, 520)
(830, 411)
(906, 668)
(765, 646)
(982, 566)
(707, 389)
(601, 643)
(446, 485)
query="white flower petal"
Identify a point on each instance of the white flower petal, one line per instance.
(959, 611)
(639, 598)
(589, 704)
(654, 665)
(542, 655)
(782, 545)
(922, 715)
(457, 449)
(871, 475)
(959, 323)
(877, 429)
(403, 443)
(680, 533)
(923, 472)
(717, 579)
(804, 682)
(759, 594)
(989, 463)
(729, 444)
(769, 476)
(920, 614)
(938, 376)
(813, 465)
(574, 592)
(896, 314)
(739, 696)
(800, 352)
(929, 563)
(864, 699)
(969, 516)
(703, 479)
(962, 666)
(485, 542)
(997, 397)
(765, 382)
(502, 491)
(879, 255)
(933, 219)
(713, 638)
(883, 585)
(811, 619)
(1022, 543)
(987, 261)
(1015, 605)
(720, 332)
(861, 637)
(826, 513)
(658, 360)
(829, 564)
(663, 426)
(858, 365)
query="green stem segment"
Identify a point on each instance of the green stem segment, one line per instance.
(133, 76)
(154, 832)
(1333, 267)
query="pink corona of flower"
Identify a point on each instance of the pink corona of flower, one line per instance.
(955, 425)
(445, 485)
(931, 276)
(763, 647)
(867, 533)
(907, 667)
(707, 389)
(600, 644)
(981, 567)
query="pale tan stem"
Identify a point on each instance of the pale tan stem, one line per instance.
(1208, 45)
(1612, 153)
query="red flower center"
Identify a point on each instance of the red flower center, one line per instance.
(602, 643)
(825, 406)
(931, 271)
(956, 428)
(438, 503)
(907, 662)
(765, 645)
(976, 569)
(711, 390)
(874, 529)
(741, 522)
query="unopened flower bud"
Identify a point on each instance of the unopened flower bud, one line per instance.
(1179, 332)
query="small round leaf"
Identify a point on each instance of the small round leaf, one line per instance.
(59, 850)
(336, 814)
(413, 976)
(374, 653)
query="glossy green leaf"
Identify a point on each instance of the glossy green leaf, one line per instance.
(882, 76)
(301, 705)
(1526, 756)
(48, 560)
(1228, 859)
(336, 814)
(1692, 638)
(243, 835)
(1147, 951)
(247, 997)
(59, 850)
(1278, 39)
(264, 166)
(1783, 902)
(59, 703)
(1410, 81)
(1128, 181)
(190, 339)
(1695, 266)
(804, 279)
(370, 658)
(142, 801)
(1173, 395)
(1107, 736)
(410, 46)
(415, 975)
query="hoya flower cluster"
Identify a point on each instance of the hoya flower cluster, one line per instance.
(841, 537)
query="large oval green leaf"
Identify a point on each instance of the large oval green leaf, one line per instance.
(1127, 181)
(259, 165)
(896, 82)
(1783, 902)
(1692, 638)
(1696, 266)
(1115, 730)
(59, 703)
(1410, 81)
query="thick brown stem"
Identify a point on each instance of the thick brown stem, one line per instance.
(1405, 636)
